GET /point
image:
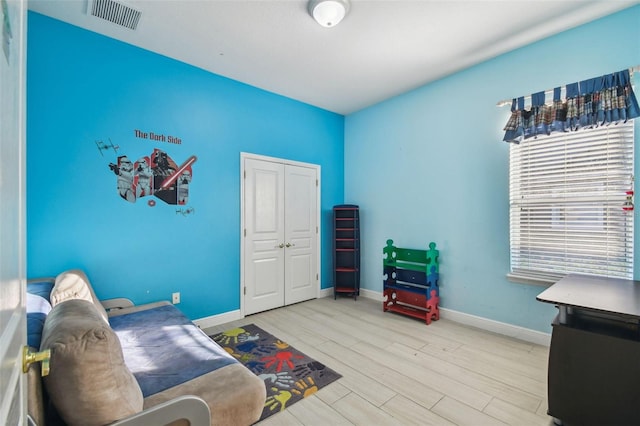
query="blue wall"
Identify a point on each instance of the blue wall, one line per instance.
(431, 166)
(421, 167)
(83, 87)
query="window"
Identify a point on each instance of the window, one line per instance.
(567, 192)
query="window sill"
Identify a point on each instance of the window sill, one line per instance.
(527, 279)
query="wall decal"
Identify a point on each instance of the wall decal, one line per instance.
(104, 147)
(172, 181)
(187, 211)
(157, 137)
(156, 174)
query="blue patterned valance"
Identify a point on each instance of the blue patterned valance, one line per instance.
(587, 104)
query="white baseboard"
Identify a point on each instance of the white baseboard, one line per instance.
(325, 292)
(503, 328)
(225, 317)
(214, 320)
(369, 294)
(517, 332)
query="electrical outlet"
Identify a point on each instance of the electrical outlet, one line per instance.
(175, 298)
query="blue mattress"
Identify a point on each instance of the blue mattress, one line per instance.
(163, 348)
(38, 307)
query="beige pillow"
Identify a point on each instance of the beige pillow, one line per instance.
(89, 383)
(74, 284)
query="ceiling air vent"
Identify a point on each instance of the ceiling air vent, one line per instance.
(114, 11)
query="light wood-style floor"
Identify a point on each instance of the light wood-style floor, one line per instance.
(399, 371)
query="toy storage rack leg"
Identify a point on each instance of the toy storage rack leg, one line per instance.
(410, 285)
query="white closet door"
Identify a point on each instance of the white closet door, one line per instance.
(300, 234)
(280, 241)
(264, 240)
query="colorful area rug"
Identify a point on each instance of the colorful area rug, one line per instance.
(288, 374)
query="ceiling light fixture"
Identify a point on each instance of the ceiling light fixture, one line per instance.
(328, 13)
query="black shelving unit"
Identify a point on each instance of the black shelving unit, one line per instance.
(346, 250)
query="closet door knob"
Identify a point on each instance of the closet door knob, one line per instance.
(281, 245)
(290, 245)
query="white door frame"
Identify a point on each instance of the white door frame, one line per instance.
(246, 155)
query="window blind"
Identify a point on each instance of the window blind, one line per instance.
(567, 193)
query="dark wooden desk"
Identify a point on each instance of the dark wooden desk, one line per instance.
(594, 357)
(606, 295)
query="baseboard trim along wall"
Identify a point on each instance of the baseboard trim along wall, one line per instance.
(325, 292)
(517, 332)
(214, 320)
(503, 328)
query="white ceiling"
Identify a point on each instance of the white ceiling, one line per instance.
(382, 48)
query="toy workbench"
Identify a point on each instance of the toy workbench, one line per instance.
(410, 279)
